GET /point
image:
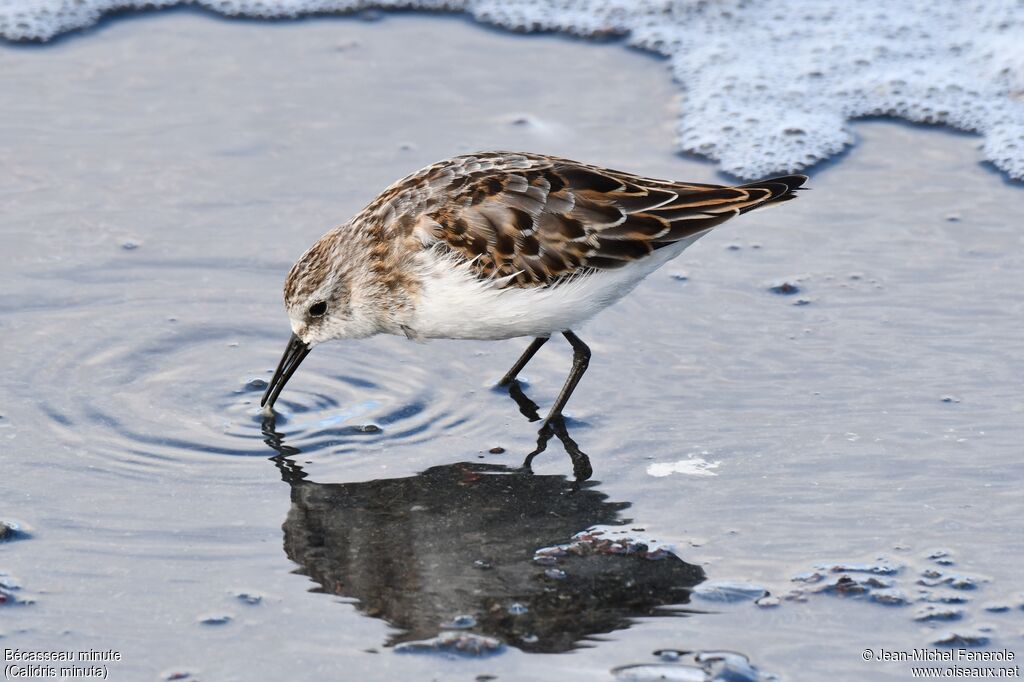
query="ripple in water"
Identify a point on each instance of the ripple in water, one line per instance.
(155, 381)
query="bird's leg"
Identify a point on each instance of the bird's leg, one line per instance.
(580, 360)
(527, 355)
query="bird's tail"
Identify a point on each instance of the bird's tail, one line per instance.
(782, 188)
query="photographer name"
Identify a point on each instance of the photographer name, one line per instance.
(954, 655)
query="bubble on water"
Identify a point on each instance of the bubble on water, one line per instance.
(460, 622)
(701, 666)
(729, 592)
(669, 655)
(656, 672)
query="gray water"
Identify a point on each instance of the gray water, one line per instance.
(160, 174)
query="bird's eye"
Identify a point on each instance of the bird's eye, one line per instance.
(318, 309)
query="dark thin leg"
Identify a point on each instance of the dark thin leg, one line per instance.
(527, 355)
(580, 360)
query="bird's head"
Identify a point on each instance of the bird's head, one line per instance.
(326, 297)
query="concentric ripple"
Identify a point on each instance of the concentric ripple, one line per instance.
(140, 379)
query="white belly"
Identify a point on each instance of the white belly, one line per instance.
(455, 304)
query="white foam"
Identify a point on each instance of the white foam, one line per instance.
(769, 86)
(692, 466)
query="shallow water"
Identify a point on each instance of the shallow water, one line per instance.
(160, 175)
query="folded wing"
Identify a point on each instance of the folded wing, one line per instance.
(529, 220)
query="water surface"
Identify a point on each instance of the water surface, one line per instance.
(831, 382)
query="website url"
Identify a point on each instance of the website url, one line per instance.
(958, 673)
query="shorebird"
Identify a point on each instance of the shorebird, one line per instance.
(498, 245)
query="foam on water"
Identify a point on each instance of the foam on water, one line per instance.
(769, 86)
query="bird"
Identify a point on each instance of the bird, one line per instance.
(499, 245)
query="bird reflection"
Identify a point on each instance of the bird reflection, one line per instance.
(426, 551)
(581, 468)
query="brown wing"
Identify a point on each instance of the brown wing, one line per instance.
(536, 220)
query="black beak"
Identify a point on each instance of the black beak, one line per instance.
(293, 356)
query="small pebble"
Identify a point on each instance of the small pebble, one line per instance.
(216, 619)
(249, 598)
(497, 450)
(784, 289)
(966, 638)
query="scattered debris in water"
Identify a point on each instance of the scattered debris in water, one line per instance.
(518, 609)
(889, 596)
(950, 399)
(603, 541)
(963, 638)
(931, 612)
(938, 593)
(216, 619)
(680, 277)
(453, 643)
(129, 245)
(943, 557)
(174, 675)
(932, 577)
(10, 590)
